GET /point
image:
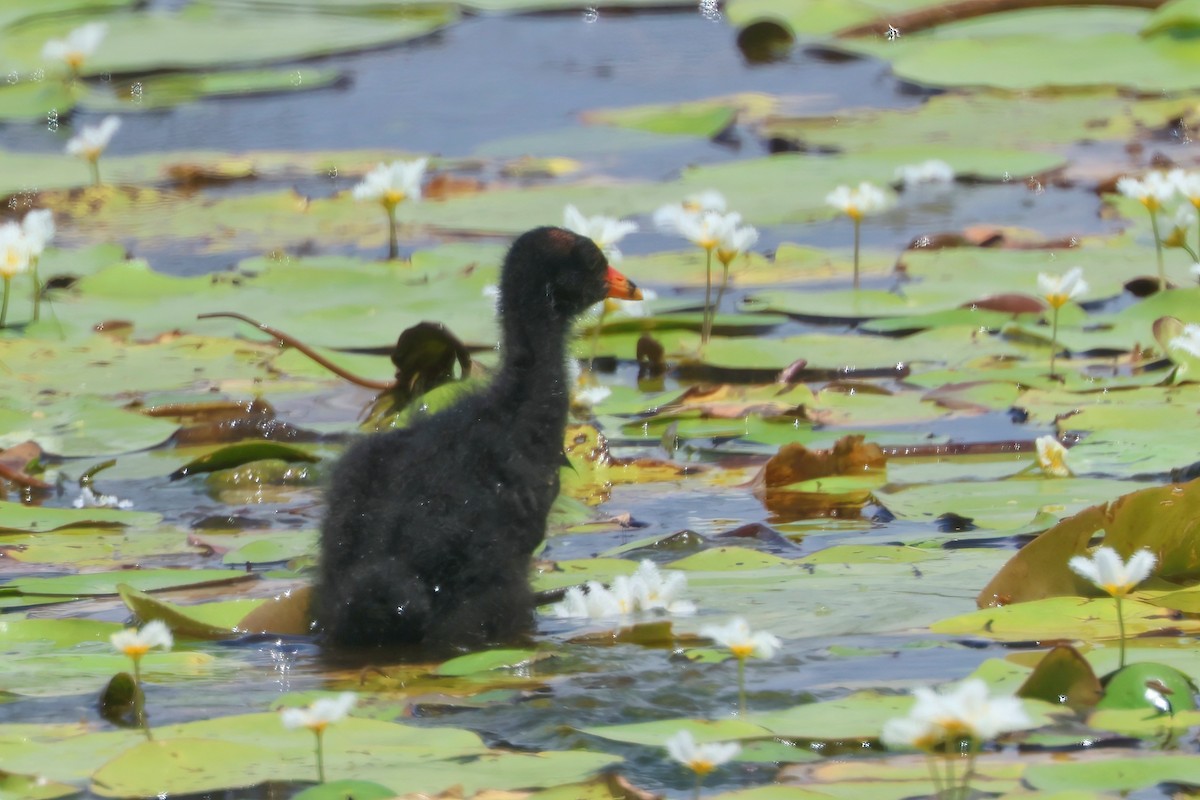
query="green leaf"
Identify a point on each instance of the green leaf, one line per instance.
(217, 620)
(235, 455)
(106, 583)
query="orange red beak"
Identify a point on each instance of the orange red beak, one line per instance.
(621, 287)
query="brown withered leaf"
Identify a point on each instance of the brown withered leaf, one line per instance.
(1009, 303)
(795, 463)
(16, 459)
(443, 187)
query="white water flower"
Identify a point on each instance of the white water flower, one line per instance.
(1187, 184)
(136, 643)
(1153, 191)
(741, 641)
(1052, 457)
(38, 227)
(1106, 569)
(963, 712)
(707, 200)
(858, 203)
(591, 395)
(700, 758)
(933, 171)
(646, 590)
(735, 239)
(77, 47)
(320, 714)
(1188, 341)
(392, 184)
(656, 591)
(90, 499)
(604, 231)
(92, 140)
(15, 252)
(705, 229)
(1058, 289)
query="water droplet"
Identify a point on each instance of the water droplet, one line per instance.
(892, 33)
(136, 93)
(106, 77)
(52, 120)
(710, 10)
(39, 74)
(297, 78)
(13, 77)
(590, 15)
(333, 173)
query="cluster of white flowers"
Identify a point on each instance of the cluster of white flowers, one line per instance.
(932, 172)
(703, 221)
(91, 499)
(647, 589)
(1058, 289)
(964, 712)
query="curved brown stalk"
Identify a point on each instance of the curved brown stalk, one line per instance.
(926, 18)
(291, 341)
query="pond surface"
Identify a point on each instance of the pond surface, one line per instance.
(854, 573)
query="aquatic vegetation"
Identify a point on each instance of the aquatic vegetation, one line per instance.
(1153, 191)
(1109, 572)
(954, 723)
(743, 643)
(91, 142)
(1058, 290)
(78, 46)
(390, 185)
(1052, 457)
(318, 716)
(856, 203)
(15, 255)
(136, 643)
(701, 759)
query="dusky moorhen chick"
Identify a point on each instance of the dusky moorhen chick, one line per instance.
(429, 532)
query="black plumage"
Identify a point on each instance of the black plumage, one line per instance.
(429, 531)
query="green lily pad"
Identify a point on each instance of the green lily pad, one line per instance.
(34, 519)
(218, 620)
(106, 583)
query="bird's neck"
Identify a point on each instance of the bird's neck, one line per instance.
(532, 382)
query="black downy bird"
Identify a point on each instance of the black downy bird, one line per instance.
(430, 529)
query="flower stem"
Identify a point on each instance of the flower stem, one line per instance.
(699, 780)
(721, 289)
(4, 303)
(37, 289)
(94, 166)
(139, 696)
(393, 242)
(1120, 632)
(706, 324)
(857, 230)
(1158, 249)
(320, 756)
(741, 687)
(934, 775)
(1053, 340)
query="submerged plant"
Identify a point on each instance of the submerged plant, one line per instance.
(14, 259)
(955, 723)
(1116, 577)
(135, 643)
(390, 185)
(1153, 192)
(78, 46)
(856, 204)
(743, 643)
(1057, 290)
(701, 759)
(317, 717)
(91, 142)
(38, 227)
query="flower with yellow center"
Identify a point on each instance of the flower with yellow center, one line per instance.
(1052, 457)
(91, 142)
(856, 204)
(390, 185)
(1153, 191)
(15, 258)
(1116, 577)
(743, 643)
(77, 47)
(136, 643)
(317, 717)
(1106, 569)
(1057, 290)
(701, 759)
